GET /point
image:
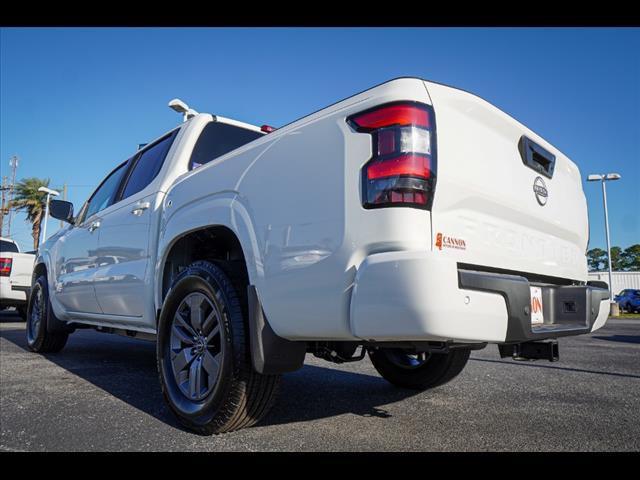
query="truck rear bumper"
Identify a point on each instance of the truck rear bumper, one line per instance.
(414, 296)
(11, 298)
(11, 294)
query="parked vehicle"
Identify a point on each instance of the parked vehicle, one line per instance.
(413, 222)
(15, 276)
(628, 300)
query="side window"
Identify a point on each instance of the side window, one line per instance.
(105, 193)
(148, 165)
(217, 139)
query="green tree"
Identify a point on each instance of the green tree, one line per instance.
(596, 259)
(630, 258)
(28, 199)
(616, 259)
(627, 260)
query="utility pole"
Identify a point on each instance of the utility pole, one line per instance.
(13, 163)
(2, 211)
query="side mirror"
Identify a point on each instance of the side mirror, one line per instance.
(61, 210)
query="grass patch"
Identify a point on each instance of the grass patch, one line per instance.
(628, 315)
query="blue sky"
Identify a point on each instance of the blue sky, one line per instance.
(75, 102)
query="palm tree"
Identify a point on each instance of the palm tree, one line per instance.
(28, 198)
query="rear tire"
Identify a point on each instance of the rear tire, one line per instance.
(39, 314)
(204, 363)
(434, 369)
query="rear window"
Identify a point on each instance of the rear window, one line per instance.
(8, 247)
(217, 139)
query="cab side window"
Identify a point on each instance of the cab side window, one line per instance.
(105, 193)
(217, 139)
(147, 165)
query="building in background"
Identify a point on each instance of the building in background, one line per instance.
(619, 280)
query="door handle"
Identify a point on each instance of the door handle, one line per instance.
(94, 226)
(140, 208)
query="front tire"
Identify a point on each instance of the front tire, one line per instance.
(418, 371)
(39, 314)
(203, 357)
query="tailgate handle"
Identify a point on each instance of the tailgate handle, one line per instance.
(536, 157)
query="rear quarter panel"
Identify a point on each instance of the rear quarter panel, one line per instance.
(293, 199)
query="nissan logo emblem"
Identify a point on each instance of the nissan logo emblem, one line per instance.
(540, 191)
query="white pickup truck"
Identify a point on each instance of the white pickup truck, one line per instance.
(413, 221)
(15, 276)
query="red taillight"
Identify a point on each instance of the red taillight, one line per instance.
(393, 114)
(5, 266)
(411, 165)
(267, 128)
(402, 169)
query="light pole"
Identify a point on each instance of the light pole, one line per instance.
(49, 192)
(603, 179)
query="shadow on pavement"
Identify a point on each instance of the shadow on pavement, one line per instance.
(620, 338)
(537, 365)
(126, 369)
(10, 316)
(315, 393)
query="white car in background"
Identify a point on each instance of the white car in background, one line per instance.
(15, 276)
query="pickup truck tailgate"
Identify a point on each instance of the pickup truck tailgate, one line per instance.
(21, 269)
(504, 197)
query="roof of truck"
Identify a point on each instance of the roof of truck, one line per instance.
(237, 123)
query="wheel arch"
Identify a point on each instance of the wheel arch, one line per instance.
(42, 266)
(184, 239)
(222, 214)
(211, 242)
(270, 353)
(38, 269)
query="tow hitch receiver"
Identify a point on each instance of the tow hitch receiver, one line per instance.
(531, 351)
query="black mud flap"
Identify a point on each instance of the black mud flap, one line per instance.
(270, 353)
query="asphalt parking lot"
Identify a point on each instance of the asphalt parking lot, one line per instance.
(101, 393)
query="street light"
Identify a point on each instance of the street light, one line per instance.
(49, 192)
(604, 178)
(179, 106)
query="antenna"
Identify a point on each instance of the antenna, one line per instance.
(179, 106)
